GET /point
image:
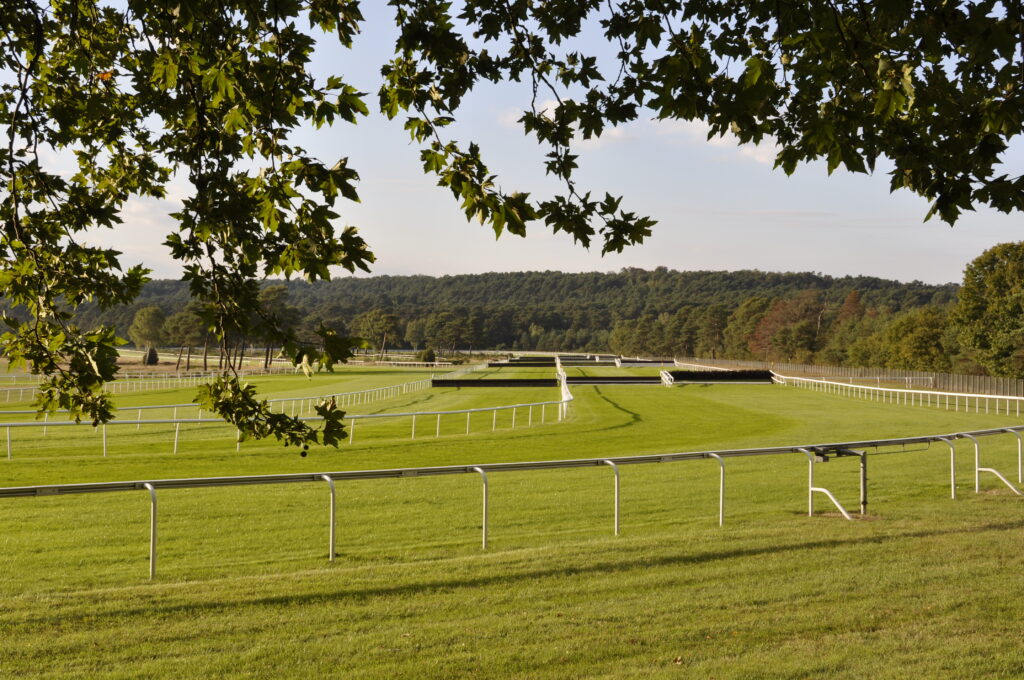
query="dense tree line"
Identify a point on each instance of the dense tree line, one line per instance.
(746, 314)
(805, 328)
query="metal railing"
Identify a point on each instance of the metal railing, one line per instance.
(814, 452)
(950, 401)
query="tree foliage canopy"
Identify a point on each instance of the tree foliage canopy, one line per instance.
(212, 91)
(990, 309)
(147, 329)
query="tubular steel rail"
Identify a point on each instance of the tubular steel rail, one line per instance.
(815, 453)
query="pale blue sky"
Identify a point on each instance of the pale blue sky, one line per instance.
(718, 206)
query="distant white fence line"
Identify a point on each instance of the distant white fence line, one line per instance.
(141, 382)
(955, 401)
(306, 406)
(814, 452)
(131, 384)
(297, 405)
(945, 382)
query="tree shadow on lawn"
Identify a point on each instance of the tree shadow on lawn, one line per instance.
(603, 567)
(634, 416)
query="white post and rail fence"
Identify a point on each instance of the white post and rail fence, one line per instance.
(541, 412)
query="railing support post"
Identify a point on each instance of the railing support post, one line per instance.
(978, 469)
(1020, 455)
(952, 466)
(152, 529)
(977, 463)
(483, 476)
(616, 469)
(330, 518)
(863, 482)
(810, 483)
(721, 488)
(811, 489)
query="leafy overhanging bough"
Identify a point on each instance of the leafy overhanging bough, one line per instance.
(211, 92)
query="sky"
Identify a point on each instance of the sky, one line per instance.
(719, 206)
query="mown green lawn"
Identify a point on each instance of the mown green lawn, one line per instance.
(924, 587)
(602, 371)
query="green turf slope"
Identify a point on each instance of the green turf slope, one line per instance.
(925, 587)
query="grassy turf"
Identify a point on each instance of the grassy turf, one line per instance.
(602, 371)
(924, 588)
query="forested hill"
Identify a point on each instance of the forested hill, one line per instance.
(631, 292)
(627, 294)
(632, 311)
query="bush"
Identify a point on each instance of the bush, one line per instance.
(426, 355)
(150, 358)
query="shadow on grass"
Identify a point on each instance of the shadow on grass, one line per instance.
(633, 415)
(506, 579)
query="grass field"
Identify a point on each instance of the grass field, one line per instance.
(925, 587)
(602, 371)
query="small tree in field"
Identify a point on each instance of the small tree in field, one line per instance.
(147, 331)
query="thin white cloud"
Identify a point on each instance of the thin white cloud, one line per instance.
(509, 118)
(616, 135)
(696, 131)
(141, 235)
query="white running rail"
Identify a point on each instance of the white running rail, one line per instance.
(533, 411)
(949, 401)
